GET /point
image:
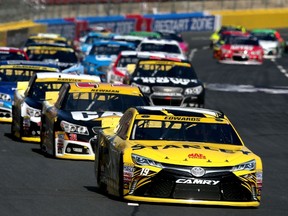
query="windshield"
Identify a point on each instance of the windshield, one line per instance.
(265, 37)
(99, 102)
(58, 55)
(242, 41)
(152, 47)
(184, 131)
(172, 69)
(108, 49)
(126, 60)
(18, 74)
(38, 89)
(12, 56)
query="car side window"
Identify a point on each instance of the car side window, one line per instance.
(124, 124)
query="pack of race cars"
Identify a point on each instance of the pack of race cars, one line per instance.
(134, 105)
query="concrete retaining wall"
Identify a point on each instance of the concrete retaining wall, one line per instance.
(260, 18)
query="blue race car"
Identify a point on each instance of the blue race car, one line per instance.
(12, 75)
(87, 41)
(102, 54)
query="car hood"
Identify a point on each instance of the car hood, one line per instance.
(8, 87)
(90, 115)
(196, 154)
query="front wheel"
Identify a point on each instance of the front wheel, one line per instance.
(97, 168)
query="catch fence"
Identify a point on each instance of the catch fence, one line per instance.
(15, 10)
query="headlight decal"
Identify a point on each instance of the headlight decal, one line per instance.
(250, 165)
(193, 91)
(32, 112)
(74, 128)
(5, 97)
(143, 161)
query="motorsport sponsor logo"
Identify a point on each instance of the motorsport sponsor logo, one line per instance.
(196, 181)
(187, 146)
(181, 118)
(173, 80)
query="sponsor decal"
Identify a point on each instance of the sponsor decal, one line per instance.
(179, 81)
(73, 137)
(242, 47)
(196, 156)
(158, 147)
(195, 181)
(181, 118)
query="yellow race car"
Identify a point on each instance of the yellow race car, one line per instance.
(177, 155)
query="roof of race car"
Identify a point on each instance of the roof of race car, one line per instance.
(49, 46)
(11, 49)
(127, 37)
(46, 77)
(263, 31)
(142, 53)
(104, 88)
(120, 43)
(48, 36)
(23, 64)
(179, 111)
(159, 41)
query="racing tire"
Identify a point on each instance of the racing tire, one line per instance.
(14, 129)
(97, 169)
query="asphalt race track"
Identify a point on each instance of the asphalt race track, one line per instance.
(255, 98)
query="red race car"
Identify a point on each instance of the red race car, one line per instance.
(241, 49)
(12, 53)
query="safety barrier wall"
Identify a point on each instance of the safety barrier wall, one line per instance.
(260, 18)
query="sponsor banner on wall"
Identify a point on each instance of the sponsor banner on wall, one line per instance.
(118, 27)
(188, 24)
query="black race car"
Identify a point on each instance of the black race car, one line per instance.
(169, 82)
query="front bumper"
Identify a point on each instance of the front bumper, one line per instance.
(179, 100)
(72, 149)
(31, 129)
(5, 113)
(219, 187)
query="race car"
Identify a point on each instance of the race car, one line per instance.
(177, 155)
(12, 75)
(214, 38)
(169, 82)
(170, 47)
(27, 106)
(102, 54)
(172, 35)
(225, 38)
(49, 38)
(241, 50)
(86, 42)
(271, 41)
(120, 70)
(12, 53)
(62, 54)
(80, 111)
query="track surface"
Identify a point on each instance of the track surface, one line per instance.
(255, 98)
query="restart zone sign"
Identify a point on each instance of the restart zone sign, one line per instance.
(204, 23)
